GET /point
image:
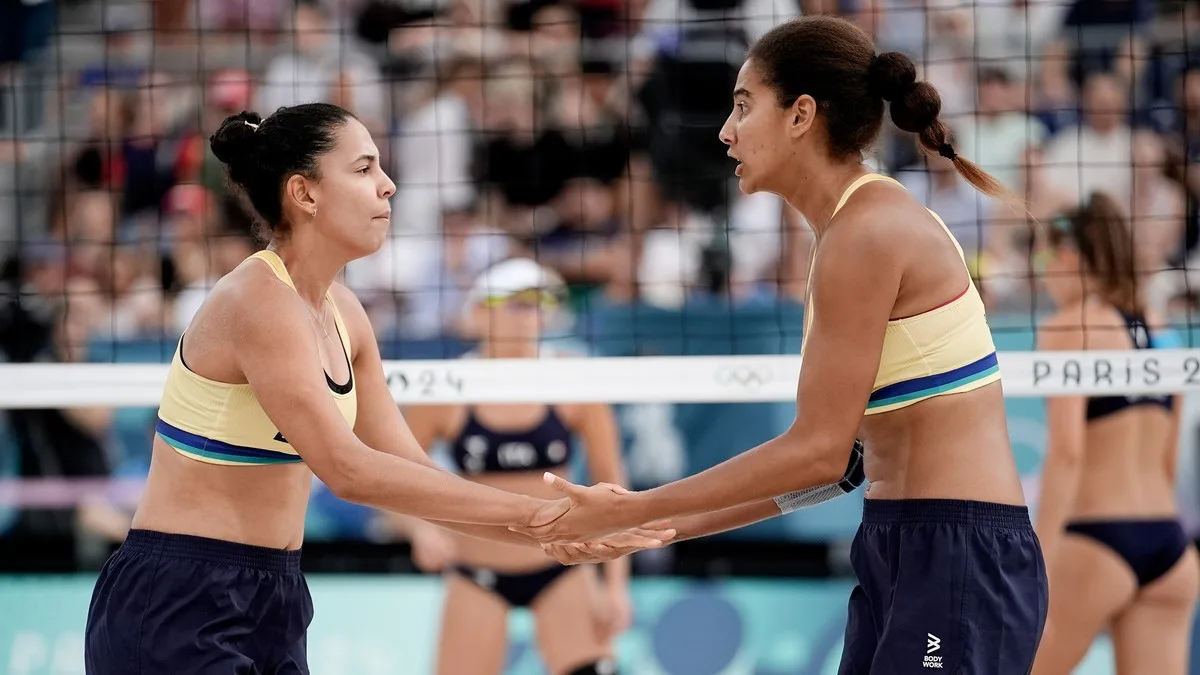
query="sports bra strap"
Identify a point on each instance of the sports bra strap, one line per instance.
(861, 181)
(272, 259)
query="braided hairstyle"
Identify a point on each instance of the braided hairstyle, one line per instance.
(835, 62)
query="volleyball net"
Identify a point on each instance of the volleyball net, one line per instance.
(621, 380)
(582, 134)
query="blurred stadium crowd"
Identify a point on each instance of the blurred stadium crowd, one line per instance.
(580, 132)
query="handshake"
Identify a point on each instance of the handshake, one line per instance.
(605, 521)
(592, 524)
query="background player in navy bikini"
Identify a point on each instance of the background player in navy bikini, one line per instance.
(896, 352)
(1107, 517)
(509, 446)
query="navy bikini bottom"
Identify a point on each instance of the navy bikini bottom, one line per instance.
(1150, 547)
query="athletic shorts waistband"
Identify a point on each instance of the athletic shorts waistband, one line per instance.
(945, 512)
(215, 551)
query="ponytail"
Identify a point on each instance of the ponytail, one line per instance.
(1105, 243)
(916, 107)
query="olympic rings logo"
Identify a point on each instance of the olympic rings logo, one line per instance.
(743, 376)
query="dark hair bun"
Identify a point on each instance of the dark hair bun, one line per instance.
(235, 143)
(892, 75)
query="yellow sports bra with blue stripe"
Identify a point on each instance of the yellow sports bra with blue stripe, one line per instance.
(222, 423)
(945, 350)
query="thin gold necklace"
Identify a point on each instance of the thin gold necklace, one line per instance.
(324, 315)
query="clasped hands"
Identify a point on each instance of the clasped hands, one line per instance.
(592, 524)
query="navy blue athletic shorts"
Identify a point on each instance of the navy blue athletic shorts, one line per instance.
(173, 603)
(945, 586)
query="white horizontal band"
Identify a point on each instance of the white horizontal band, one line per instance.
(652, 379)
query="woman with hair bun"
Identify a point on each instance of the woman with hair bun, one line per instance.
(897, 353)
(276, 379)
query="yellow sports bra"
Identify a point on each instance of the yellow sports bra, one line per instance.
(222, 423)
(945, 350)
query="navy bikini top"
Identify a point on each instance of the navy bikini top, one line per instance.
(1103, 406)
(479, 449)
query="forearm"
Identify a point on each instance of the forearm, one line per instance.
(779, 466)
(705, 524)
(407, 527)
(489, 532)
(385, 481)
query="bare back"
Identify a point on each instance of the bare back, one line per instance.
(1128, 455)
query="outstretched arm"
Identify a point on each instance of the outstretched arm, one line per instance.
(715, 522)
(271, 326)
(855, 282)
(381, 426)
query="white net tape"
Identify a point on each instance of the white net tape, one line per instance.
(678, 379)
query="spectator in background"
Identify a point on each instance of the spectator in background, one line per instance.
(1184, 144)
(1000, 132)
(583, 234)
(1096, 155)
(259, 16)
(662, 19)
(324, 66)
(120, 66)
(1006, 274)
(130, 278)
(149, 143)
(433, 150)
(1157, 210)
(467, 246)
(963, 209)
(228, 92)
(1013, 35)
(1098, 32)
(1171, 55)
(669, 268)
(523, 162)
(26, 29)
(218, 238)
(52, 325)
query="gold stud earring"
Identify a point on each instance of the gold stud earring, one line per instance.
(314, 212)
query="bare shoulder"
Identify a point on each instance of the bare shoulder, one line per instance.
(247, 311)
(879, 219)
(249, 295)
(870, 232)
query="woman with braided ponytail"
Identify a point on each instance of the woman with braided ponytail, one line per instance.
(898, 359)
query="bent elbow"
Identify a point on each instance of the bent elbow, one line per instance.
(826, 460)
(830, 464)
(343, 477)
